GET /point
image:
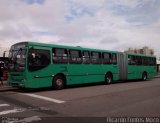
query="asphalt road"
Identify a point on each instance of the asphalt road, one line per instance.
(91, 103)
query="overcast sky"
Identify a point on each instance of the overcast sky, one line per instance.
(107, 24)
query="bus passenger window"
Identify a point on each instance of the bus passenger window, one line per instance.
(131, 60)
(139, 60)
(114, 58)
(106, 58)
(153, 61)
(145, 61)
(38, 59)
(75, 57)
(60, 56)
(86, 57)
(96, 57)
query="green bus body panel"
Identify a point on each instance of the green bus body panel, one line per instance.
(75, 74)
(136, 72)
(40, 78)
(89, 73)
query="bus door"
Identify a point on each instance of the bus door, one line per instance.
(90, 70)
(69, 63)
(75, 67)
(39, 70)
(94, 69)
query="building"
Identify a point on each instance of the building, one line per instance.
(2, 50)
(144, 50)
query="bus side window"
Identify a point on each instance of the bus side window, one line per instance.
(145, 61)
(114, 58)
(96, 57)
(60, 56)
(75, 57)
(140, 60)
(131, 60)
(152, 61)
(106, 58)
(38, 59)
(86, 57)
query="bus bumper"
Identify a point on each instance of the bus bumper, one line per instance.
(19, 84)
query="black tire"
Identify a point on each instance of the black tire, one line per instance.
(108, 78)
(58, 82)
(144, 76)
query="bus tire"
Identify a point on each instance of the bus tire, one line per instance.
(108, 78)
(58, 82)
(144, 76)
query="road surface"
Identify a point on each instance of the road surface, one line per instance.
(92, 103)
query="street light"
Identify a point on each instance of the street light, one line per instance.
(4, 53)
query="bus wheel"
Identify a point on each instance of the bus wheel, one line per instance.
(144, 76)
(58, 82)
(108, 78)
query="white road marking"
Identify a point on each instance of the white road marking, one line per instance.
(44, 98)
(11, 111)
(2, 105)
(28, 119)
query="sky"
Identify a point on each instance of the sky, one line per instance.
(103, 24)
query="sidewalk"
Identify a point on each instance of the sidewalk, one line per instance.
(6, 87)
(158, 75)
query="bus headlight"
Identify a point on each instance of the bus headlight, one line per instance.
(21, 85)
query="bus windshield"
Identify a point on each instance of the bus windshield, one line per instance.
(17, 58)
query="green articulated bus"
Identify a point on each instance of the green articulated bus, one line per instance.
(38, 65)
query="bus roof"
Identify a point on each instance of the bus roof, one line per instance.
(64, 46)
(76, 48)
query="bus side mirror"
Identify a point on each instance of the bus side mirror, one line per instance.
(32, 48)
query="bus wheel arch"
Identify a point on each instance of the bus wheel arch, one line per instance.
(144, 76)
(108, 78)
(59, 81)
